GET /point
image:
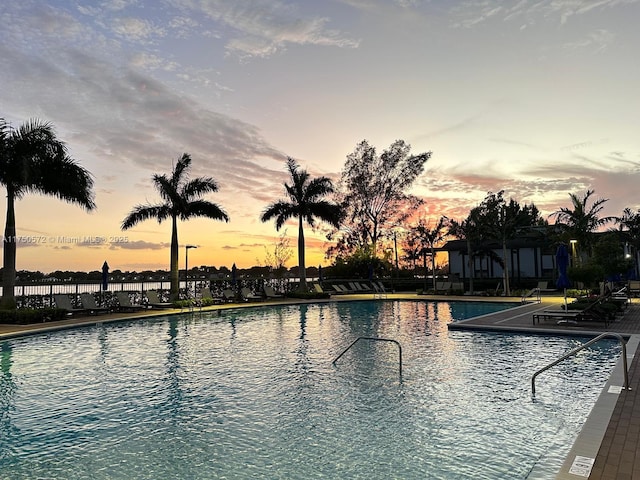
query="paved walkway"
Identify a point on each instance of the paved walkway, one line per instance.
(611, 436)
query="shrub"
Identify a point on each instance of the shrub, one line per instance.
(26, 316)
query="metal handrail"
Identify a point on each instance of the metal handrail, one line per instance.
(378, 339)
(582, 347)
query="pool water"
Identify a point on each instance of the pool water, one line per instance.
(252, 393)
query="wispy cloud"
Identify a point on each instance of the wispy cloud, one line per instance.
(135, 29)
(597, 41)
(474, 12)
(264, 27)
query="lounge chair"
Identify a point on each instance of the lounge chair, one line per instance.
(339, 288)
(270, 293)
(228, 295)
(531, 293)
(379, 290)
(64, 302)
(578, 312)
(543, 286)
(349, 288)
(249, 296)
(205, 296)
(559, 315)
(360, 287)
(154, 300)
(125, 304)
(88, 302)
(443, 287)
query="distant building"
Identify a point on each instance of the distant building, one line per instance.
(532, 256)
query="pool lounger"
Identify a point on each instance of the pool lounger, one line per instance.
(571, 316)
(555, 315)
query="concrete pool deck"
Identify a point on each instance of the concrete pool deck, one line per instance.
(609, 444)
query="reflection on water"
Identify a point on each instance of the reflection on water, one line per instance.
(252, 394)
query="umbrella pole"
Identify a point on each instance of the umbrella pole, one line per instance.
(565, 299)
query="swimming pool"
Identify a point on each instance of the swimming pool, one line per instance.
(252, 394)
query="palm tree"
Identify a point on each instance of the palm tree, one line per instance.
(502, 222)
(182, 199)
(305, 202)
(629, 223)
(34, 160)
(429, 238)
(468, 230)
(581, 221)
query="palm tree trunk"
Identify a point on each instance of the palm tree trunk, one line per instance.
(175, 279)
(424, 266)
(507, 289)
(433, 267)
(9, 265)
(302, 269)
(471, 265)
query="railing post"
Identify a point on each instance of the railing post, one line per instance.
(378, 339)
(582, 347)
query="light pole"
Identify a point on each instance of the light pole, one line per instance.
(186, 267)
(574, 259)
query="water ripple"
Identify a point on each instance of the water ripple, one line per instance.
(253, 394)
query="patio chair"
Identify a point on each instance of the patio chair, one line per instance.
(64, 302)
(270, 293)
(154, 300)
(88, 302)
(205, 296)
(249, 296)
(379, 290)
(125, 304)
(339, 288)
(228, 295)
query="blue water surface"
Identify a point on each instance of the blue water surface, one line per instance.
(252, 393)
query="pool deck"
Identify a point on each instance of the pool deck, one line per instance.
(608, 447)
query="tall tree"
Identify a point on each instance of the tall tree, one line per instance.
(470, 230)
(503, 221)
(373, 192)
(34, 160)
(429, 237)
(581, 221)
(629, 223)
(306, 203)
(181, 200)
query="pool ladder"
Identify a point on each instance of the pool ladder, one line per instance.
(582, 347)
(376, 339)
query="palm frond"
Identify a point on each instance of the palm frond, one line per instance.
(281, 211)
(180, 170)
(61, 177)
(167, 190)
(326, 211)
(140, 213)
(318, 187)
(198, 187)
(204, 208)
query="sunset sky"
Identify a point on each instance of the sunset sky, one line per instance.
(536, 97)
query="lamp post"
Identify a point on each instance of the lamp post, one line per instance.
(573, 252)
(186, 267)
